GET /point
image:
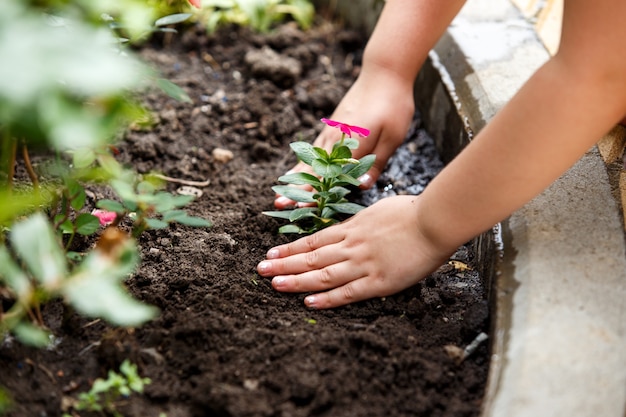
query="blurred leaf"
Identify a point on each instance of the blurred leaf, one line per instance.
(194, 221)
(35, 243)
(304, 151)
(13, 205)
(281, 214)
(111, 205)
(14, 278)
(300, 213)
(325, 169)
(291, 228)
(77, 194)
(346, 208)
(173, 90)
(96, 290)
(300, 178)
(87, 224)
(293, 193)
(31, 335)
(172, 19)
(156, 224)
(166, 201)
(362, 167)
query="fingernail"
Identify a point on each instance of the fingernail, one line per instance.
(279, 282)
(310, 301)
(272, 254)
(366, 180)
(264, 267)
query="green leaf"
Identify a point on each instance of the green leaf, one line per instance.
(124, 190)
(304, 151)
(96, 289)
(181, 216)
(172, 90)
(173, 215)
(294, 193)
(346, 208)
(146, 187)
(172, 19)
(156, 224)
(301, 213)
(326, 170)
(344, 179)
(321, 153)
(111, 205)
(77, 194)
(67, 227)
(14, 278)
(280, 214)
(362, 167)
(351, 143)
(31, 335)
(291, 228)
(87, 224)
(301, 178)
(97, 296)
(13, 205)
(83, 157)
(166, 201)
(340, 152)
(35, 243)
(194, 221)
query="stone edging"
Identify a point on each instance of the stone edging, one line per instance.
(559, 287)
(559, 339)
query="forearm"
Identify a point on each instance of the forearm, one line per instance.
(406, 31)
(552, 121)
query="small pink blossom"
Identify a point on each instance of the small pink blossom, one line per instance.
(196, 3)
(347, 129)
(105, 217)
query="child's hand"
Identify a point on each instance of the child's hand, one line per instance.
(379, 102)
(378, 252)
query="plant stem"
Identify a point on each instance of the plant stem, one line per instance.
(29, 167)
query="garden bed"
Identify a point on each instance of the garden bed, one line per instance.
(226, 343)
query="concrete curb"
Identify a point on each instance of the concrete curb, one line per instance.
(559, 345)
(559, 288)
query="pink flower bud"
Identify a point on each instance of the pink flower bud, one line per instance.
(105, 217)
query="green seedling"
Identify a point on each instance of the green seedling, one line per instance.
(335, 171)
(105, 393)
(260, 15)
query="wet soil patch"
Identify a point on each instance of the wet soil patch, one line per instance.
(225, 343)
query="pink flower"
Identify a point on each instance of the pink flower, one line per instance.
(347, 129)
(105, 217)
(196, 3)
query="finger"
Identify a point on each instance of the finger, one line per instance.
(287, 260)
(335, 275)
(351, 292)
(324, 237)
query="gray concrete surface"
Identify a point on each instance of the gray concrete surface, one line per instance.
(559, 288)
(560, 333)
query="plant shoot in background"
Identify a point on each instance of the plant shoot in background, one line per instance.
(65, 91)
(335, 171)
(105, 393)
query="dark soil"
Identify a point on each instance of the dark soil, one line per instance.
(226, 343)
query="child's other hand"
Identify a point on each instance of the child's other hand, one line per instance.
(378, 252)
(380, 102)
